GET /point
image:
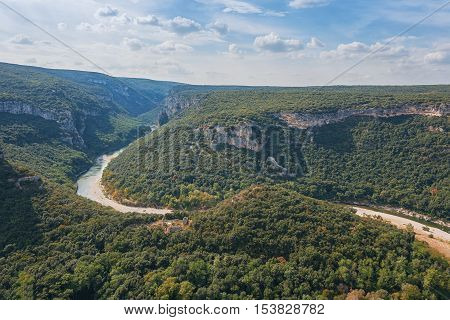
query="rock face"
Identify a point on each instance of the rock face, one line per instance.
(245, 136)
(64, 118)
(35, 180)
(176, 102)
(308, 120)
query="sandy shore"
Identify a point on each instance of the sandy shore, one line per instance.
(90, 186)
(440, 240)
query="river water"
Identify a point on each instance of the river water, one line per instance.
(89, 186)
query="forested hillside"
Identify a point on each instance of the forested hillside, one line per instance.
(227, 141)
(251, 232)
(68, 88)
(266, 242)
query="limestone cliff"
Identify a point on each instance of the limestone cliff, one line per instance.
(308, 120)
(245, 135)
(72, 124)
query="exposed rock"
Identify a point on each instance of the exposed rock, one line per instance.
(64, 118)
(240, 136)
(30, 179)
(173, 229)
(436, 129)
(176, 102)
(273, 165)
(308, 120)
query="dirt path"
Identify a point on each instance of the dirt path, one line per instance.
(440, 240)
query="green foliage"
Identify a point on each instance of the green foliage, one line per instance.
(39, 146)
(229, 106)
(266, 242)
(79, 90)
(398, 161)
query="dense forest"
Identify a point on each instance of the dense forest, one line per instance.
(402, 161)
(244, 226)
(265, 242)
(232, 105)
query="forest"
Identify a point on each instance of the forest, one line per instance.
(400, 161)
(250, 226)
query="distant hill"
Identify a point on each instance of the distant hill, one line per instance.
(133, 96)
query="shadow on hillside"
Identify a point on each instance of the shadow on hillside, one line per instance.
(18, 219)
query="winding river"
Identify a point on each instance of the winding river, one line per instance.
(89, 186)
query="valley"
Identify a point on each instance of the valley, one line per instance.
(89, 186)
(255, 185)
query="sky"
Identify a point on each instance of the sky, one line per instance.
(267, 42)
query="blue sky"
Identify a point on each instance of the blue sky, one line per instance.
(267, 42)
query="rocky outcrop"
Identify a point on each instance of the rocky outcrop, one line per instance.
(176, 102)
(30, 180)
(245, 136)
(308, 120)
(73, 125)
(273, 166)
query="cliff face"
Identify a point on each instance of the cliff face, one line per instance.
(240, 136)
(176, 102)
(71, 124)
(308, 120)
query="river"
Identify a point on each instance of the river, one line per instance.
(434, 237)
(89, 186)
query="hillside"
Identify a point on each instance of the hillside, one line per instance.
(266, 242)
(132, 96)
(384, 145)
(249, 241)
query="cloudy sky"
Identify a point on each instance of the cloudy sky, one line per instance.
(266, 42)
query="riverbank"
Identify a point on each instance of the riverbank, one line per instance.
(89, 186)
(436, 238)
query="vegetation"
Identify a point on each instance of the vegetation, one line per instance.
(232, 106)
(78, 90)
(266, 242)
(252, 233)
(398, 161)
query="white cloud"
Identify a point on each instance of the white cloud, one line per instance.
(122, 19)
(22, 39)
(171, 67)
(133, 44)
(271, 13)
(172, 47)
(274, 43)
(31, 61)
(88, 27)
(234, 51)
(148, 20)
(61, 26)
(182, 26)
(358, 49)
(242, 7)
(302, 4)
(315, 43)
(178, 25)
(238, 6)
(219, 27)
(106, 12)
(438, 57)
